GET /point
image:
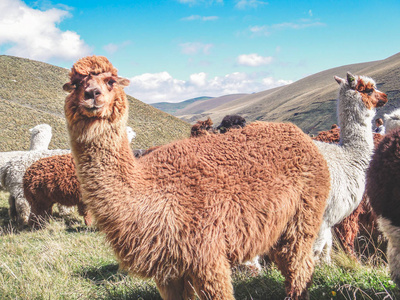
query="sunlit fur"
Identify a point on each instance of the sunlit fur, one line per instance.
(184, 213)
(348, 161)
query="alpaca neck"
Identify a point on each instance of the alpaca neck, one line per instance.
(104, 161)
(356, 129)
(39, 143)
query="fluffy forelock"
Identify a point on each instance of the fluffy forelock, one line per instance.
(92, 65)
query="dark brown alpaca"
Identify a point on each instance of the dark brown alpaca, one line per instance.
(383, 189)
(52, 180)
(183, 214)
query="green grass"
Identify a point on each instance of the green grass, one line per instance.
(67, 260)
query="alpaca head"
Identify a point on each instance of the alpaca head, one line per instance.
(392, 120)
(96, 91)
(131, 134)
(40, 137)
(231, 122)
(358, 97)
(202, 128)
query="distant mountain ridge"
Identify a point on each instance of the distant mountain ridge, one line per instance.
(31, 93)
(172, 108)
(310, 103)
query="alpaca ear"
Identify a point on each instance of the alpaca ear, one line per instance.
(123, 81)
(351, 80)
(338, 79)
(68, 87)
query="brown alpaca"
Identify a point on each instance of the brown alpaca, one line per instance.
(183, 214)
(360, 221)
(202, 128)
(52, 180)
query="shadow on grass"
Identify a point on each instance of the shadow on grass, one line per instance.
(115, 284)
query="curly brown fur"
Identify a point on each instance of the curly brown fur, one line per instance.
(202, 128)
(183, 214)
(362, 221)
(53, 180)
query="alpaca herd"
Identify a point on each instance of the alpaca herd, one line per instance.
(185, 213)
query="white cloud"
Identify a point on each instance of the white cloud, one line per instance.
(198, 79)
(196, 48)
(200, 18)
(201, 2)
(34, 34)
(244, 4)
(160, 87)
(253, 60)
(112, 48)
(266, 30)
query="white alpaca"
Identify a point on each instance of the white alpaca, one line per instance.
(40, 137)
(348, 161)
(131, 134)
(40, 140)
(392, 120)
(11, 177)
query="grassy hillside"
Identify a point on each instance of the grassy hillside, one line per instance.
(310, 102)
(31, 93)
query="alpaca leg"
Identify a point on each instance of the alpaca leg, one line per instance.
(213, 281)
(393, 249)
(64, 210)
(23, 210)
(323, 244)
(294, 256)
(13, 210)
(254, 266)
(177, 289)
(326, 254)
(87, 216)
(40, 212)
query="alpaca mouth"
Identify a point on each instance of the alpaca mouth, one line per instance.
(381, 103)
(92, 108)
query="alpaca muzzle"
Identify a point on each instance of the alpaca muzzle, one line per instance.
(382, 100)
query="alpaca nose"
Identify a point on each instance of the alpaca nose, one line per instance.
(92, 93)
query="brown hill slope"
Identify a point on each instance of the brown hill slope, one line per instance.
(31, 93)
(199, 107)
(310, 102)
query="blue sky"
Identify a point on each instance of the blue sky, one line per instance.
(179, 49)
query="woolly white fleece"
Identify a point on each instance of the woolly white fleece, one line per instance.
(347, 162)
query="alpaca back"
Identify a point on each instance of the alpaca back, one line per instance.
(261, 170)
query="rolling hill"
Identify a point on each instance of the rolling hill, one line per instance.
(310, 102)
(172, 108)
(31, 93)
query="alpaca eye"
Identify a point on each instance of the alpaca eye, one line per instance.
(369, 91)
(111, 82)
